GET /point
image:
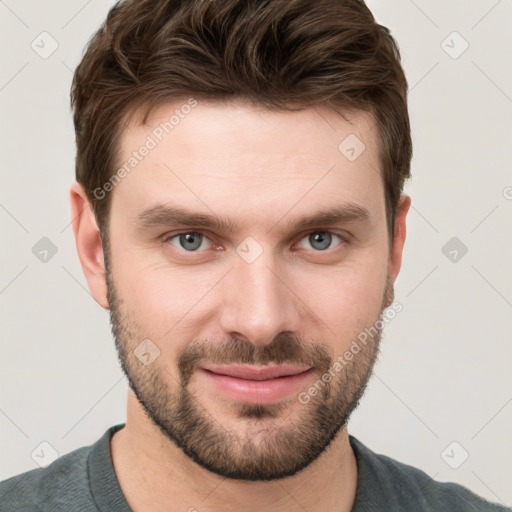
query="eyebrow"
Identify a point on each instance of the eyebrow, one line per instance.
(165, 215)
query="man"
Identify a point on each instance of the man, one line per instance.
(239, 210)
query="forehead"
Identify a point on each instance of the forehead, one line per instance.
(242, 158)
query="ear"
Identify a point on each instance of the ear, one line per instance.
(395, 257)
(88, 244)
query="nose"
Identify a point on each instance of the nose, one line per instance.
(259, 302)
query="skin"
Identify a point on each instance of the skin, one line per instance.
(259, 169)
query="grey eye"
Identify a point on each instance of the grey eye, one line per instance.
(188, 241)
(320, 240)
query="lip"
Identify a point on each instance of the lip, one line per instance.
(256, 384)
(252, 372)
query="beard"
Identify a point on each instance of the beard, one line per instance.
(279, 439)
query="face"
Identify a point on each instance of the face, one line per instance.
(247, 254)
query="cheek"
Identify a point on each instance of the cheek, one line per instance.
(347, 299)
(162, 298)
(168, 302)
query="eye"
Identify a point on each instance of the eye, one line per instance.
(189, 241)
(320, 240)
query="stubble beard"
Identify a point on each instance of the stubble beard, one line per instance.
(278, 439)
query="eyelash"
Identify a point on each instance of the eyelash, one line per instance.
(344, 240)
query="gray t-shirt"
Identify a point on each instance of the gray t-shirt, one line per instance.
(85, 481)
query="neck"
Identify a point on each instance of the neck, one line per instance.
(156, 475)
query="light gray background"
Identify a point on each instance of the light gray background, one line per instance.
(445, 370)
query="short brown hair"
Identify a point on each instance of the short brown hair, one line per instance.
(279, 54)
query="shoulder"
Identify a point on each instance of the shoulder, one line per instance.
(56, 487)
(384, 481)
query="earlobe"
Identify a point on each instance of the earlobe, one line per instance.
(88, 244)
(395, 260)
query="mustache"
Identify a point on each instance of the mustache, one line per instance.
(286, 347)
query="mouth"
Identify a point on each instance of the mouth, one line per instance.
(256, 384)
